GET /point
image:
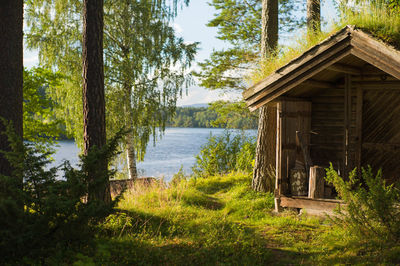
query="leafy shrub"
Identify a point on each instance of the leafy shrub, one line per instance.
(372, 207)
(225, 153)
(42, 212)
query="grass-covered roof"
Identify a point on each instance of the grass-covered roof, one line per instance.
(374, 21)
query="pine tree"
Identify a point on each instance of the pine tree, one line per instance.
(266, 139)
(94, 120)
(11, 73)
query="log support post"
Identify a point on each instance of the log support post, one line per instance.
(316, 188)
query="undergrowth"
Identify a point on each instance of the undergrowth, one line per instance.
(219, 221)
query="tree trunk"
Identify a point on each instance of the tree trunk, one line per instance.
(131, 157)
(263, 175)
(313, 16)
(93, 96)
(11, 79)
(11, 71)
(269, 27)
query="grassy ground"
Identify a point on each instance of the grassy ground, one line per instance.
(219, 221)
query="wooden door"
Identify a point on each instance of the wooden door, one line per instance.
(294, 115)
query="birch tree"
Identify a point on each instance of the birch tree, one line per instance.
(146, 64)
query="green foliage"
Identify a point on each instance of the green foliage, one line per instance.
(286, 54)
(40, 123)
(372, 207)
(216, 221)
(233, 115)
(192, 117)
(225, 153)
(379, 18)
(239, 24)
(185, 224)
(220, 114)
(145, 63)
(42, 212)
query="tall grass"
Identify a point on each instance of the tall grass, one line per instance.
(373, 17)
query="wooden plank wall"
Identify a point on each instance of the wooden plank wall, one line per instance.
(381, 131)
(327, 144)
(293, 115)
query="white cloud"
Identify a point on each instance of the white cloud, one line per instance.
(178, 28)
(197, 95)
(31, 58)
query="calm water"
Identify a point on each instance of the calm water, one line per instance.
(177, 148)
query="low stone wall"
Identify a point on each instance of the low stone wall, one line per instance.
(117, 186)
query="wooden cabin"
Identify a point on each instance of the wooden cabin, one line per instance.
(339, 103)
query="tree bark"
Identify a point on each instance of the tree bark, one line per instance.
(11, 73)
(263, 175)
(313, 16)
(131, 157)
(269, 27)
(93, 96)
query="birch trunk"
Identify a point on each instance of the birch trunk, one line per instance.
(131, 157)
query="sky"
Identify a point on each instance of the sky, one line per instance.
(191, 25)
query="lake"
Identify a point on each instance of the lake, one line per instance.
(176, 149)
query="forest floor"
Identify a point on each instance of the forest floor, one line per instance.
(221, 221)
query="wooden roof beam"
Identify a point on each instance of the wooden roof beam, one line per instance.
(342, 68)
(378, 84)
(320, 84)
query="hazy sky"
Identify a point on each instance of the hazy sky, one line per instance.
(191, 25)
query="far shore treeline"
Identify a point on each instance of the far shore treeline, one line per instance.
(213, 117)
(199, 117)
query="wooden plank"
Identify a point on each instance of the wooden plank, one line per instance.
(376, 53)
(376, 60)
(395, 84)
(359, 110)
(302, 74)
(278, 168)
(347, 117)
(316, 188)
(292, 65)
(319, 84)
(307, 203)
(342, 68)
(303, 140)
(386, 147)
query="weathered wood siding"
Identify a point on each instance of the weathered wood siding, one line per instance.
(327, 125)
(381, 131)
(293, 115)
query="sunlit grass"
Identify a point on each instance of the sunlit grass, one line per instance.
(219, 220)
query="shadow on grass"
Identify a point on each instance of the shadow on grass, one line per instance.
(154, 240)
(202, 200)
(214, 186)
(124, 222)
(359, 254)
(135, 252)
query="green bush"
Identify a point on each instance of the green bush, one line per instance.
(372, 208)
(225, 153)
(41, 212)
